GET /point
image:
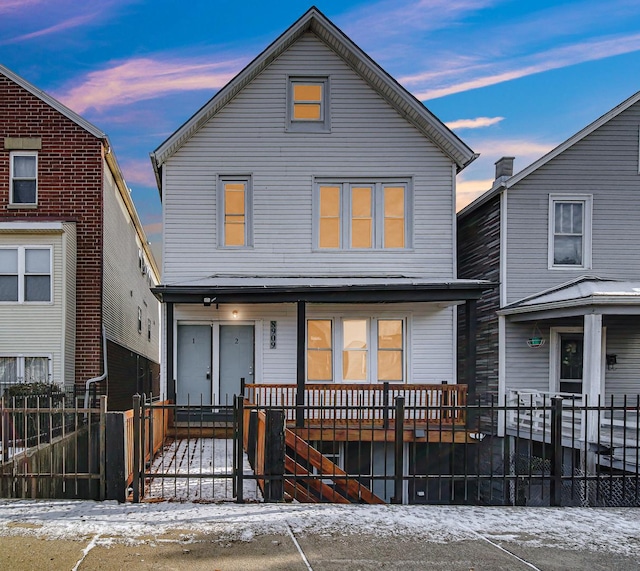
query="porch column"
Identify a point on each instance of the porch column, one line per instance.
(592, 380)
(471, 330)
(300, 362)
(170, 387)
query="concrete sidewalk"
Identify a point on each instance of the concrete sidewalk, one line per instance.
(42, 536)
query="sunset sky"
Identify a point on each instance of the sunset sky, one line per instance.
(511, 77)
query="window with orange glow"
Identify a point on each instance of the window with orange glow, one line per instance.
(355, 353)
(234, 214)
(390, 350)
(308, 105)
(319, 350)
(362, 215)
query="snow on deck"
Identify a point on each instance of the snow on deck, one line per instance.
(197, 469)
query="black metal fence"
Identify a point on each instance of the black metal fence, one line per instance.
(531, 451)
(51, 450)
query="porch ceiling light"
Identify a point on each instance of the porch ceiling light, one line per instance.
(234, 313)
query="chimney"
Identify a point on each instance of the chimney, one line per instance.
(504, 168)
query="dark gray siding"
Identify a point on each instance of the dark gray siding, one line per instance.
(478, 253)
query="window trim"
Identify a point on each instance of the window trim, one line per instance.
(378, 214)
(248, 206)
(21, 275)
(12, 156)
(309, 125)
(587, 201)
(337, 341)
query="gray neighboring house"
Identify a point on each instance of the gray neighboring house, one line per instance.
(561, 238)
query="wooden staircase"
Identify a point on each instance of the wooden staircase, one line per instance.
(303, 488)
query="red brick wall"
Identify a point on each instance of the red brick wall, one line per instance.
(70, 173)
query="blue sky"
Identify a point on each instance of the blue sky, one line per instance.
(511, 77)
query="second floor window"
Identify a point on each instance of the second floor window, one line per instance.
(235, 219)
(24, 178)
(362, 215)
(569, 232)
(25, 274)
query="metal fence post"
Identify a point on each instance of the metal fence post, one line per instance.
(399, 451)
(136, 448)
(556, 452)
(239, 448)
(385, 405)
(102, 445)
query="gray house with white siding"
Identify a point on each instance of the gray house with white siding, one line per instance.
(561, 236)
(309, 228)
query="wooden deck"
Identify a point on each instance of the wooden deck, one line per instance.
(367, 412)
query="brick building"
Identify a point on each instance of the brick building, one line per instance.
(74, 259)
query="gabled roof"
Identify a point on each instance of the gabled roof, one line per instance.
(516, 178)
(54, 103)
(379, 80)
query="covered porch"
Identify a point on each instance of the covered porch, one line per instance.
(579, 342)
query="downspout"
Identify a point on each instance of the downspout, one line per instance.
(104, 367)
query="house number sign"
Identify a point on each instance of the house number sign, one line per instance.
(272, 334)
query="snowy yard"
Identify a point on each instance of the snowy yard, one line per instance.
(197, 469)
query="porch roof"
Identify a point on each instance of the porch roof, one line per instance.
(336, 289)
(584, 295)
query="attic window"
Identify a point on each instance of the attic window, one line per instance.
(308, 104)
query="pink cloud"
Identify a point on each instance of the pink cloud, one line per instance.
(138, 172)
(60, 27)
(477, 123)
(145, 78)
(491, 74)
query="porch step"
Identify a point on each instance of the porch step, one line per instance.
(314, 489)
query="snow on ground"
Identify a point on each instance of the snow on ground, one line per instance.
(612, 530)
(208, 460)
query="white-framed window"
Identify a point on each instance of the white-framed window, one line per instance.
(24, 178)
(25, 369)
(235, 212)
(569, 231)
(372, 349)
(148, 329)
(308, 104)
(362, 215)
(139, 319)
(25, 274)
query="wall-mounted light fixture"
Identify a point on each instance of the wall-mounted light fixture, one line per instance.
(612, 361)
(234, 313)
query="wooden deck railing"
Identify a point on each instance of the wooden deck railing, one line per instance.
(373, 403)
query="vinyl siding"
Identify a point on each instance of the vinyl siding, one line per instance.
(605, 165)
(36, 329)
(429, 341)
(368, 139)
(125, 287)
(623, 340)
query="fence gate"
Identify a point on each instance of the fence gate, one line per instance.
(188, 452)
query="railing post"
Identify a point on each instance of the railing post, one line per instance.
(239, 448)
(399, 452)
(556, 452)
(243, 384)
(102, 443)
(136, 448)
(385, 405)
